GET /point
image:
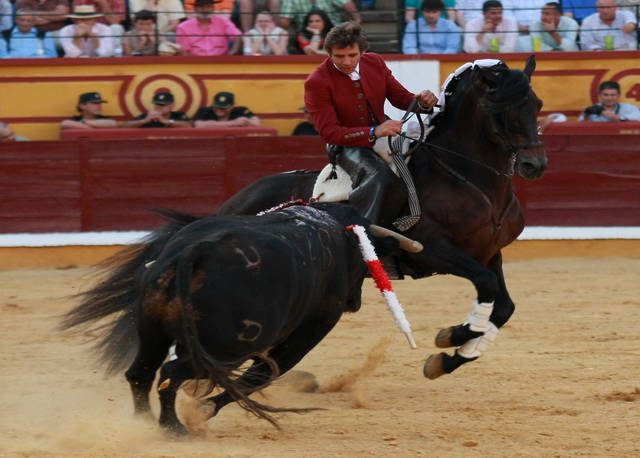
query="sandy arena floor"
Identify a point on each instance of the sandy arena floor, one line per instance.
(562, 380)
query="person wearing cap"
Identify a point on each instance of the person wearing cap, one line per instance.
(162, 114)
(7, 134)
(90, 117)
(223, 113)
(86, 37)
(305, 127)
(208, 34)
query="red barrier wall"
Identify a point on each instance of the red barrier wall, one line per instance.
(86, 185)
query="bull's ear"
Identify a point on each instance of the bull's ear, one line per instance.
(530, 66)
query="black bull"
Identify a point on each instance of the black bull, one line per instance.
(227, 290)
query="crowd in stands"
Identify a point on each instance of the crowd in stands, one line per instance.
(105, 28)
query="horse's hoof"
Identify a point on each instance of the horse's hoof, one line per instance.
(443, 339)
(300, 381)
(433, 367)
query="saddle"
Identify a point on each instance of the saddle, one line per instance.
(334, 184)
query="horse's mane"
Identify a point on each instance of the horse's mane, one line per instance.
(507, 89)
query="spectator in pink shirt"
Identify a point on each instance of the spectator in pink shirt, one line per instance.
(208, 34)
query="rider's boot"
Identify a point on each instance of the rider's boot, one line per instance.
(378, 194)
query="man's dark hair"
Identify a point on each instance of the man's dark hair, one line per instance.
(347, 34)
(432, 5)
(144, 15)
(486, 6)
(554, 6)
(609, 85)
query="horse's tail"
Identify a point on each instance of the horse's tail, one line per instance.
(119, 293)
(221, 374)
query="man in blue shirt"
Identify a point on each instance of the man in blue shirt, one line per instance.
(25, 41)
(430, 33)
(578, 9)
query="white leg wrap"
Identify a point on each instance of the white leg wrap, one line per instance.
(479, 315)
(476, 347)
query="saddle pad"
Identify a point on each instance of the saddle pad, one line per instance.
(328, 190)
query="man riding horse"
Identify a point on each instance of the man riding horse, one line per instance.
(345, 97)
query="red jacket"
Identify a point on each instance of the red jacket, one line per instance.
(338, 105)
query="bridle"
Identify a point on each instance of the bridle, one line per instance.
(513, 149)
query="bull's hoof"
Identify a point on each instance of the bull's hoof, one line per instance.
(433, 367)
(443, 339)
(206, 411)
(175, 431)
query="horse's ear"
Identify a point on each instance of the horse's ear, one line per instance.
(530, 66)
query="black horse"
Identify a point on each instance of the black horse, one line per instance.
(463, 173)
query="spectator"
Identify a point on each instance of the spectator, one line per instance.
(90, 117)
(6, 15)
(169, 13)
(467, 10)
(431, 34)
(294, 11)
(25, 41)
(609, 23)
(305, 127)
(311, 37)
(7, 134)
(208, 34)
(223, 113)
(247, 8)
(578, 9)
(143, 39)
(114, 12)
(525, 12)
(609, 109)
(557, 32)
(51, 15)
(265, 39)
(480, 32)
(162, 114)
(411, 6)
(86, 37)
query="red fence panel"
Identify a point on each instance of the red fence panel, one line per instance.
(97, 185)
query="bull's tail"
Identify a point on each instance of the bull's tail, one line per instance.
(118, 293)
(205, 366)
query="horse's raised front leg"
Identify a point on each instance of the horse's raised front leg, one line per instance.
(492, 316)
(477, 332)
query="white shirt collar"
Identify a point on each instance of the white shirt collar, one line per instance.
(355, 76)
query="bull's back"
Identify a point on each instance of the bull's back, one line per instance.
(250, 284)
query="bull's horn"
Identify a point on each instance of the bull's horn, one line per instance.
(405, 242)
